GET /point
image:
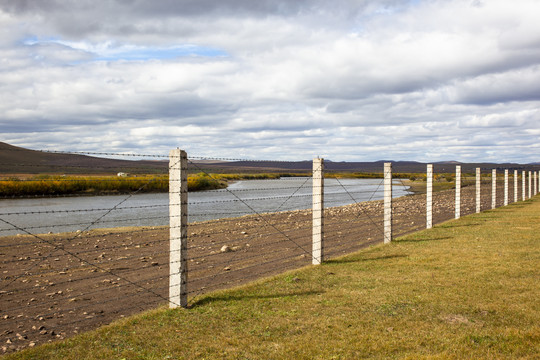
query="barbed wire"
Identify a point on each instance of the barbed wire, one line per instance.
(150, 167)
(160, 156)
(86, 251)
(62, 248)
(196, 291)
(72, 254)
(255, 212)
(83, 210)
(65, 225)
(262, 218)
(71, 281)
(230, 261)
(268, 252)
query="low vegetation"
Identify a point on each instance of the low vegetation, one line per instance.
(49, 185)
(466, 289)
(53, 185)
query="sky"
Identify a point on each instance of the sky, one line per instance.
(347, 80)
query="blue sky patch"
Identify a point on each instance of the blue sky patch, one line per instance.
(111, 51)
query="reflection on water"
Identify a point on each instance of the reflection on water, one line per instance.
(244, 197)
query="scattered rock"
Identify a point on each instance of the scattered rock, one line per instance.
(225, 248)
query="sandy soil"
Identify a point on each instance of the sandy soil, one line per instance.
(54, 286)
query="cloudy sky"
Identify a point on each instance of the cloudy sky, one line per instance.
(349, 80)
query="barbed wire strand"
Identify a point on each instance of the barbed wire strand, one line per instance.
(68, 252)
(263, 218)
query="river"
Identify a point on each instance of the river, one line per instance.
(61, 214)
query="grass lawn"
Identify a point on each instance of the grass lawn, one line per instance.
(466, 289)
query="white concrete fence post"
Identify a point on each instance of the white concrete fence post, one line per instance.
(523, 182)
(178, 199)
(317, 247)
(515, 185)
(535, 184)
(478, 190)
(530, 184)
(429, 196)
(387, 203)
(493, 188)
(505, 187)
(458, 192)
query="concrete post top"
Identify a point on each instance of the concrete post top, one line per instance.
(176, 152)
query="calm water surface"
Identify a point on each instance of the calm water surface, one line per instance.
(22, 216)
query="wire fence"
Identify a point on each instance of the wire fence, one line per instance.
(70, 264)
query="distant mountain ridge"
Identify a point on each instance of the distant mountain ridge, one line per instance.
(374, 167)
(15, 160)
(18, 160)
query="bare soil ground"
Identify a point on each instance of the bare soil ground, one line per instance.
(57, 285)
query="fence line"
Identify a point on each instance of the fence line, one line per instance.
(70, 282)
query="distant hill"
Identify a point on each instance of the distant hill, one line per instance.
(371, 167)
(14, 160)
(17, 160)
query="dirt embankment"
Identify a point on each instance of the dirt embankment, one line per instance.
(55, 286)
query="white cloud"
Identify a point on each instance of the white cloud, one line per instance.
(356, 80)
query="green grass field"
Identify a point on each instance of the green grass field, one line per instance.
(466, 289)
